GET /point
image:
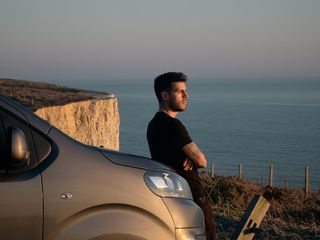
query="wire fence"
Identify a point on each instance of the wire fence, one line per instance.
(268, 176)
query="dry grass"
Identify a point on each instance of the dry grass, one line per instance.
(290, 216)
(36, 95)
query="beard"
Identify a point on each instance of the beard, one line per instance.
(178, 107)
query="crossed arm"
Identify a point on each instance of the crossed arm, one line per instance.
(195, 158)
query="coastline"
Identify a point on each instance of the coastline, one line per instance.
(291, 215)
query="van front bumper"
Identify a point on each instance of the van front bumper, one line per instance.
(190, 234)
(187, 217)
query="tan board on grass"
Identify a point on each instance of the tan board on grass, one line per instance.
(252, 218)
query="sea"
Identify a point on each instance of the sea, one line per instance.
(254, 123)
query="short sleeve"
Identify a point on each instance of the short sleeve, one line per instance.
(180, 134)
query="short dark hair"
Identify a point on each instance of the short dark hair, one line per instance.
(163, 82)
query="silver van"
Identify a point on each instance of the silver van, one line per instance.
(53, 187)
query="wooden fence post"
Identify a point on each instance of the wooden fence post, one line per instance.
(251, 219)
(240, 171)
(285, 184)
(271, 176)
(212, 169)
(307, 183)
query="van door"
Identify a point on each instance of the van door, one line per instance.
(21, 202)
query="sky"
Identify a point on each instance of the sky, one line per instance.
(137, 39)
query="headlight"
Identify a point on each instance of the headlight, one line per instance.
(167, 184)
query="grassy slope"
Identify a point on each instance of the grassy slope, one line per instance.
(36, 95)
(290, 216)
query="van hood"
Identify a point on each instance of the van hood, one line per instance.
(130, 160)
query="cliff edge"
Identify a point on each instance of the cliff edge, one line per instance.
(89, 117)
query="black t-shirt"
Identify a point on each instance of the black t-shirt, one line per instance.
(166, 138)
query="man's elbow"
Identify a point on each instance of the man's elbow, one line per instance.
(203, 162)
(204, 165)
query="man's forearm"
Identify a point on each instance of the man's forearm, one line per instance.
(195, 155)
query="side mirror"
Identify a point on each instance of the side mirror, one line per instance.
(20, 154)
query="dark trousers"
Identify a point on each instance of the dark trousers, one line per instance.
(201, 198)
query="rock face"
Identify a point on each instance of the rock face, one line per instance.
(94, 122)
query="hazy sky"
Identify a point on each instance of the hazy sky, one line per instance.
(82, 39)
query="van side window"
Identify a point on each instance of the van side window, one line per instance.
(9, 122)
(2, 146)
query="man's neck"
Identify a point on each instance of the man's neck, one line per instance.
(168, 111)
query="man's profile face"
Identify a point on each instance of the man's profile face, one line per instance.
(177, 96)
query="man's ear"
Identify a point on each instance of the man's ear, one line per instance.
(164, 96)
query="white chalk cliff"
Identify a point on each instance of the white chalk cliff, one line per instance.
(94, 122)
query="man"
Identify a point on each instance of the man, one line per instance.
(170, 142)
